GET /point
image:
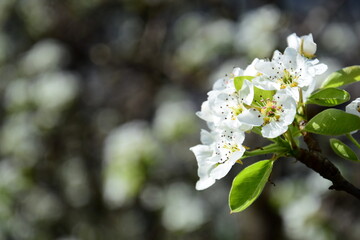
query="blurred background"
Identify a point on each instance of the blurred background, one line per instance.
(97, 115)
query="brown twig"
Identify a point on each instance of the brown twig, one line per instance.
(314, 159)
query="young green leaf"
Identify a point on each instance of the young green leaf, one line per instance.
(256, 130)
(329, 97)
(333, 122)
(260, 94)
(248, 185)
(238, 81)
(342, 150)
(342, 77)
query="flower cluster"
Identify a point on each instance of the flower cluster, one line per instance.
(266, 95)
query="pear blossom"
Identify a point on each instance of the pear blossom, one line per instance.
(354, 107)
(231, 109)
(225, 103)
(289, 71)
(228, 105)
(305, 45)
(228, 81)
(219, 151)
(226, 84)
(273, 115)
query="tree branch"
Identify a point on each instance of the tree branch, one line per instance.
(314, 159)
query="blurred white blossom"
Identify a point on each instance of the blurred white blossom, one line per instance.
(128, 149)
(256, 33)
(17, 95)
(174, 119)
(204, 44)
(20, 138)
(298, 209)
(46, 55)
(339, 38)
(53, 91)
(183, 211)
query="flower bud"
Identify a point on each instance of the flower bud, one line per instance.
(305, 45)
(308, 47)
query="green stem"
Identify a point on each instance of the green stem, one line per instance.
(290, 139)
(301, 99)
(301, 109)
(272, 148)
(353, 140)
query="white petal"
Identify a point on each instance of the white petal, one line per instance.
(267, 68)
(320, 68)
(237, 72)
(239, 138)
(206, 113)
(288, 115)
(204, 183)
(201, 152)
(289, 107)
(273, 129)
(250, 70)
(277, 55)
(205, 180)
(293, 41)
(206, 137)
(222, 169)
(289, 59)
(293, 92)
(251, 117)
(305, 80)
(223, 83)
(245, 127)
(308, 46)
(264, 83)
(247, 92)
(307, 91)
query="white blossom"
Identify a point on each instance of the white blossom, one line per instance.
(219, 151)
(225, 103)
(305, 45)
(289, 71)
(273, 115)
(235, 105)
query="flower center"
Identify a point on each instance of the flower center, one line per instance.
(236, 110)
(232, 147)
(288, 80)
(358, 108)
(271, 111)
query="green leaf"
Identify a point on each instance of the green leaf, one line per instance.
(238, 81)
(256, 130)
(333, 122)
(260, 94)
(248, 185)
(342, 77)
(329, 97)
(342, 150)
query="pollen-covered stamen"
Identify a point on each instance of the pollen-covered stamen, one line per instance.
(227, 146)
(288, 79)
(358, 108)
(233, 147)
(236, 110)
(232, 107)
(270, 110)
